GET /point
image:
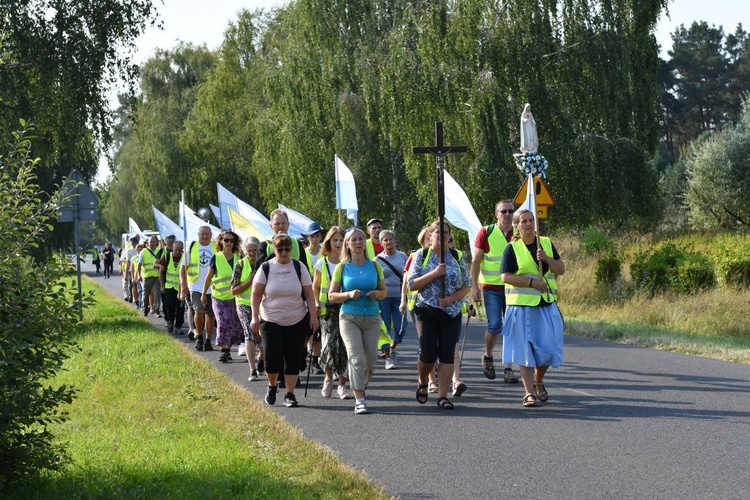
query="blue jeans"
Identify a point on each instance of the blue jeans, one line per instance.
(389, 313)
(494, 304)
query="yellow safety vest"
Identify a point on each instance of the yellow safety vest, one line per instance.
(370, 249)
(221, 284)
(148, 259)
(527, 267)
(173, 273)
(194, 264)
(489, 273)
(325, 283)
(246, 297)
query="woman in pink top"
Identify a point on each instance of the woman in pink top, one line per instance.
(284, 287)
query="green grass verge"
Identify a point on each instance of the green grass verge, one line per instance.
(152, 420)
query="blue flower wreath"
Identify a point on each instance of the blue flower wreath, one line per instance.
(532, 163)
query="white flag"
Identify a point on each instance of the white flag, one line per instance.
(165, 226)
(346, 191)
(458, 209)
(298, 223)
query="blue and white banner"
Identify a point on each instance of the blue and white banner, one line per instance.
(165, 226)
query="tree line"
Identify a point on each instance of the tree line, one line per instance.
(291, 87)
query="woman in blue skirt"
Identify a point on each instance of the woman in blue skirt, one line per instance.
(533, 330)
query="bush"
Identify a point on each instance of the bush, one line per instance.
(694, 273)
(595, 241)
(653, 270)
(733, 264)
(36, 321)
(608, 269)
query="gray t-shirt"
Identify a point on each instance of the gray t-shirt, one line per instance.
(392, 281)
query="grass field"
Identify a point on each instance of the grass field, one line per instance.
(713, 323)
(151, 420)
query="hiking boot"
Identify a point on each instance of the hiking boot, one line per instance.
(271, 395)
(290, 401)
(191, 336)
(207, 345)
(170, 327)
(199, 343)
(488, 368)
(224, 357)
(509, 376)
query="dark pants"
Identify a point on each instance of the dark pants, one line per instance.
(438, 334)
(174, 308)
(285, 346)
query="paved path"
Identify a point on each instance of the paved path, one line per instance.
(622, 422)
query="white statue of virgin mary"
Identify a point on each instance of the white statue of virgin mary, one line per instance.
(529, 139)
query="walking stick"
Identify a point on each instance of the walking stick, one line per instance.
(309, 367)
(469, 314)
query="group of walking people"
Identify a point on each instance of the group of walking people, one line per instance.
(345, 300)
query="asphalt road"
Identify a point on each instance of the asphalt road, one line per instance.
(622, 422)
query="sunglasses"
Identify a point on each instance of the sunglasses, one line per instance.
(283, 249)
(228, 240)
(506, 211)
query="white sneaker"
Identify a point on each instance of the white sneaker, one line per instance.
(341, 390)
(327, 388)
(390, 364)
(361, 408)
(253, 376)
(241, 350)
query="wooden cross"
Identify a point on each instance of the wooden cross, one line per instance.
(440, 150)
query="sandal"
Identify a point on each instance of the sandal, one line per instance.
(422, 396)
(433, 386)
(542, 395)
(529, 400)
(444, 404)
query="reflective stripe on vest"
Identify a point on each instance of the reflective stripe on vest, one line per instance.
(527, 268)
(246, 297)
(194, 262)
(148, 259)
(173, 273)
(489, 272)
(221, 284)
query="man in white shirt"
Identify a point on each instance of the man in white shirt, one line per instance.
(195, 265)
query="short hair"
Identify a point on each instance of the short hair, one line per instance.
(502, 202)
(252, 240)
(387, 232)
(281, 239)
(279, 211)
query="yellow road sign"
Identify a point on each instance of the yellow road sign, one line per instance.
(543, 196)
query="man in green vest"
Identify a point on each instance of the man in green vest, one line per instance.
(174, 310)
(374, 226)
(148, 272)
(487, 284)
(96, 259)
(280, 224)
